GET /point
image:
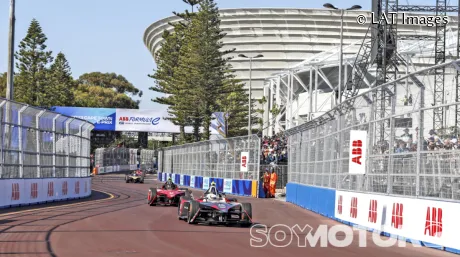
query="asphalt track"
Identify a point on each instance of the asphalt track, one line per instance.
(124, 225)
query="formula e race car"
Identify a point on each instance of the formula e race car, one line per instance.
(214, 210)
(136, 177)
(166, 195)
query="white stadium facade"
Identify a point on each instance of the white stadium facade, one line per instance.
(300, 56)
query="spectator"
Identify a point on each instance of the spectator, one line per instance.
(274, 149)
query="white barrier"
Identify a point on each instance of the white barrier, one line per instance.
(432, 222)
(18, 192)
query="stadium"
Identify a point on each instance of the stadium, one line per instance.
(300, 54)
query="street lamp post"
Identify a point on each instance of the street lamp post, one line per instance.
(9, 83)
(354, 7)
(250, 88)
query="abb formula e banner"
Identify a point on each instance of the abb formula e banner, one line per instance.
(435, 222)
(357, 159)
(128, 120)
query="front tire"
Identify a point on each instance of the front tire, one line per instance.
(152, 196)
(192, 211)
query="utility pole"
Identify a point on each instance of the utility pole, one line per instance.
(9, 83)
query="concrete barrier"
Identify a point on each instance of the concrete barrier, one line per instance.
(230, 186)
(23, 192)
(433, 224)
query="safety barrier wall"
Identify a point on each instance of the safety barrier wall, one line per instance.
(409, 168)
(230, 186)
(22, 192)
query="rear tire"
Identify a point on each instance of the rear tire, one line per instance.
(246, 209)
(193, 209)
(152, 195)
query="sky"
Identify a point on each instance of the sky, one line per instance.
(107, 35)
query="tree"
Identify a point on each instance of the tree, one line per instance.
(33, 60)
(105, 90)
(235, 105)
(60, 82)
(202, 65)
(3, 82)
(110, 80)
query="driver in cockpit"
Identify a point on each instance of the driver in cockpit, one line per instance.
(212, 193)
(169, 184)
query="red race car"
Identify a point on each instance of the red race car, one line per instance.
(168, 194)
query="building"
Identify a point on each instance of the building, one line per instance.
(300, 49)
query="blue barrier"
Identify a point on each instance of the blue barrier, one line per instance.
(316, 199)
(239, 186)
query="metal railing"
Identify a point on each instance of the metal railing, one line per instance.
(214, 158)
(407, 155)
(37, 143)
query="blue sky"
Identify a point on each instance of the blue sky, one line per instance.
(106, 35)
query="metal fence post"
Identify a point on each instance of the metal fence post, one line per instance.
(68, 137)
(20, 146)
(2, 134)
(79, 165)
(54, 144)
(38, 133)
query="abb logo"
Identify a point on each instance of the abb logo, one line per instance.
(357, 151)
(372, 211)
(433, 223)
(50, 189)
(244, 161)
(65, 188)
(339, 205)
(34, 191)
(77, 187)
(354, 207)
(397, 215)
(15, 191)
(123, 119)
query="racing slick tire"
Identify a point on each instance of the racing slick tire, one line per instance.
(182, 213)
(246, 209)
(151, 197)
(192, 211)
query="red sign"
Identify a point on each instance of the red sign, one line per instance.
(433, 223)
(339, 205)
(354, 207)
(33, 191)
(77, 187)
(372, 211)
(15, 191)
(123, 119)
(357, 151)
(244, 161)
(64, 188)
(50, 189)
(397, 215)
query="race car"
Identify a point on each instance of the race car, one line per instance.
(214, 208)
(168, 194)
(135, 177)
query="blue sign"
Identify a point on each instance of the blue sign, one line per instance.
(101, 118)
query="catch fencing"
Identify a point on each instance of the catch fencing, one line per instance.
(37, 143)
(117, 159)
(413, 145)
(213, 158)
(282, 172)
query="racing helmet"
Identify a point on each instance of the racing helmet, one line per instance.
(213, 189)
(212, 196)
(170, 180)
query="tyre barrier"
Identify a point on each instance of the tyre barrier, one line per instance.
(25, 192)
